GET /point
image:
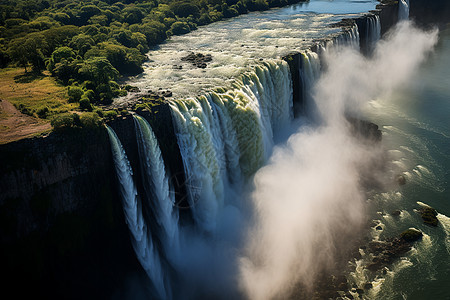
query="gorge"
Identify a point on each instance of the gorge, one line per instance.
(197, 178)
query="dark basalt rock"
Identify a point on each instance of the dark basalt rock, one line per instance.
(198, 59)
(349, 296)
(428, 215)
(166, 94)
(411, 235)
(386, 252)
(60, 208)
(344, 23)
(368, 286)
(395, 213)
(388, 14)
(401, 180)
(426, 12)
(365, 129)
(131, 89)
(151, 95)
(295, 63)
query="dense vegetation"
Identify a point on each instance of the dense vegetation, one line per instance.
(88, 44)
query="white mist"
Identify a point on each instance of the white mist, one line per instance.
(308, 201)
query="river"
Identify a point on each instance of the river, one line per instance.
(239, 43)
(416, 134)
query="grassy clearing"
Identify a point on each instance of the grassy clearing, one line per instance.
(3, 115)
(31, 93)
(31, 102)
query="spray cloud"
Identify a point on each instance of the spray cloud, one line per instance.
(307, 200)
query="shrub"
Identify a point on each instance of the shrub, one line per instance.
(215, 15)
(89, 85)
(204, 19)
(23, 109)
(120, 93)
(255, 5)
(65, 121)
(99, 112)
(184, 9)
(75, 93)
(229, 12)
(90, 95)
(42, 112)
(85, 104)
(110, 115)
(178, 28)
(90, 120)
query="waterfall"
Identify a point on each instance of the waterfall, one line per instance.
(224, 137)
(373, 32)
(144, 248)
(309, 73)
(199, 153)
(350, 38)
(228, 134)
(403, 10)
(156, 184)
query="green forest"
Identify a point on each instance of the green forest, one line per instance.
(87, 45)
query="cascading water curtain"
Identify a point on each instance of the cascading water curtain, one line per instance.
(226, 135)
(143, 245)
(348, 38)
(158, 188)
(403, 10)
(309, 73)
(373, 32)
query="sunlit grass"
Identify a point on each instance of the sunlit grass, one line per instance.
(39, 97)
(34, 92)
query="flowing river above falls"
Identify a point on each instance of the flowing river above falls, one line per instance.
(239, 43)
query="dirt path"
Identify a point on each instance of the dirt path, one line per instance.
(14, 125)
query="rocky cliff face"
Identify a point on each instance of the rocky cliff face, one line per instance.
(61, 221)
(60, 173)
(429, 13)
(388, 14)
(294, 61)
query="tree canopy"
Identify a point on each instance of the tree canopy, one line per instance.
(96, 41)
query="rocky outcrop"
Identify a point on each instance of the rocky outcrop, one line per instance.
(429, 215)
(365, 129)
(411, 235)
(386, 252)
(400, 179)
(199, 60)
